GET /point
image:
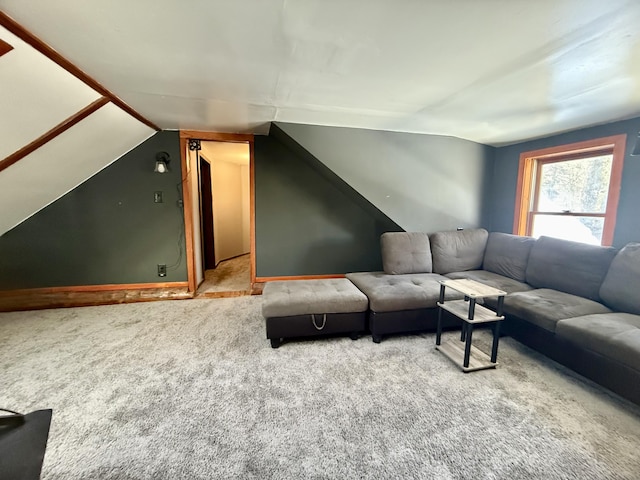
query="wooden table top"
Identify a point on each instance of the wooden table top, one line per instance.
(472, 288)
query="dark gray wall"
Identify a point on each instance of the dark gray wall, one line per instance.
(501, 197)
(108, 230)
(422, 182)
(308, 222)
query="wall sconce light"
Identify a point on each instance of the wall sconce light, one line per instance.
(636, 148)
(162, 162)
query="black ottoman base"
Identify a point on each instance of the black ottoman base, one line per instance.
(279, 328)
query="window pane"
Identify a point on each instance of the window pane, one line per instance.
(578, 229)
(579, 185)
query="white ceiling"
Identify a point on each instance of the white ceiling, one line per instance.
(67, 161)
(491, 71)
(35, 94)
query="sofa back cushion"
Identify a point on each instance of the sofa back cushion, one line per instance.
(405, 252)
(507, 255)
(458, 251)
(621, 286)
(571, 267)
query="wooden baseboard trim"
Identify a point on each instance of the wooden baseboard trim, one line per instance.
(91, 295)
(298, 277)
(256, 288)
(92, 288)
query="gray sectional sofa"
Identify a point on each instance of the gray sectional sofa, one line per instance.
(578, 304)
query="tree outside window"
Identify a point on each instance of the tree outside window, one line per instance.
(571, 192)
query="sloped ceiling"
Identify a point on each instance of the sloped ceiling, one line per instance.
(491, 71)
(36, 97)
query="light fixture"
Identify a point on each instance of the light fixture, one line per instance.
(636, 147)
(162, 162)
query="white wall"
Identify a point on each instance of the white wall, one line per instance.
(228, 213)
(36, 94)
(65, 162)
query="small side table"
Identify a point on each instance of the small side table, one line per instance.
(463, 353)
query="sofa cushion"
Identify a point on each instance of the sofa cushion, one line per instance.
(459, 250)
(405, 252)
(544, 307)
(614, 335)
(507, 255)
(301, 297)
(621, 286)
(571, 267)
(390, 293)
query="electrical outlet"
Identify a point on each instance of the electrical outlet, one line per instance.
(162, 270)
(157, 197)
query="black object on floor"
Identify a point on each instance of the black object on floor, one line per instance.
(23, 441)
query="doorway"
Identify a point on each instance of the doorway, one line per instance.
(224, 192)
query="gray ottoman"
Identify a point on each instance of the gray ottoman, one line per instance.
(302, 308)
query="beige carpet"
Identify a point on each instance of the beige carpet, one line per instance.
(233, 275)
(192, 390)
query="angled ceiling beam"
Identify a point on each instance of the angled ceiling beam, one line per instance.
(18, 30)
(54, 132)
(4, 47)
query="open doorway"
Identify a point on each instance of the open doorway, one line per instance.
(224, 184)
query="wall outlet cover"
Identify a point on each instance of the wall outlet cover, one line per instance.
(162, 270)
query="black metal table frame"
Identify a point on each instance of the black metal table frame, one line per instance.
(466, 333)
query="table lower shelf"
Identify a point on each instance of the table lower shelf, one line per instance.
(478, 360)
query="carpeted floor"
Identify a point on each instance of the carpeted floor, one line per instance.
(233, 275)
(192, 390)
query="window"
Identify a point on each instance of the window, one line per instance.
(571, 191)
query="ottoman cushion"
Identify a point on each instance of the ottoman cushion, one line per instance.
(301, 297)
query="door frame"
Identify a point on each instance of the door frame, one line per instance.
(185, 136)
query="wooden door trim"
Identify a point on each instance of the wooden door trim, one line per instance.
(216, 136)
(252, 212)
(530, 162)
(185, 136)
(188, 217)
